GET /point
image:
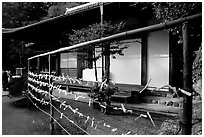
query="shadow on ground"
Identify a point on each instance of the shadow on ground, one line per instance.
(23, 103)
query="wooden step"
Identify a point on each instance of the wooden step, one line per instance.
(175, 102)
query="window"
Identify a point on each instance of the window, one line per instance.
(68, 64)
(68, 60)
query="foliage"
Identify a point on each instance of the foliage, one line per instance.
(168, 11)
(170, 127)
(15, 53)
(197, 65)
(103, 95)
(18, 14)
(96, 31)
(56, 10)
(59, 8)
(18, 85)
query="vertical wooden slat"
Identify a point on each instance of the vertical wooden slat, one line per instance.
(51, 102)
(38, 64)
(28, 101)
(102, 56)
(95, 67)
(57, 64)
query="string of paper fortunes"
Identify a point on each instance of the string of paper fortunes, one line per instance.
(49, 116)
(52, 87)
(94, 123)
(74, 80)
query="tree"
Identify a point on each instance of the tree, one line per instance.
(95, 31)
(59, 8)
(168, 11)
(19, 14)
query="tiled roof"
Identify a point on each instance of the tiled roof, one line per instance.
(82, 8)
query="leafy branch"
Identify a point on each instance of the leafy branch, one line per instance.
(96, 31)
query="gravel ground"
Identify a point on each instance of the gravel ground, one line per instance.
(172, 127)
(18, 120)
(124, 123)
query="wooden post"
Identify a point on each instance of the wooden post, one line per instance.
(171, 61)
(57, 64)
(107, 61)
(187, 81)
(95, 64)
(79, 66)
(107, 68)
(38, 64)
(51, 102)
(144, 60)
(102, 56)
(102, 60)
(28, 100)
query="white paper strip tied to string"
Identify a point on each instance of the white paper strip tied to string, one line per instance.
(141, 115)
(90, 100)
(127, 133)
(185, 92)
(103, 83)
(61, 115)
(145, 116)
(92, 122)
(76, 98)
(150, 118)
(125, 110)
(87, 119)
(114, 130)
